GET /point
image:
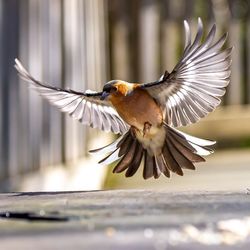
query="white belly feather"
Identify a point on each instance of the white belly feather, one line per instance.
(153, 141)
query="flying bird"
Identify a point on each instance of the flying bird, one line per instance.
(147, 114)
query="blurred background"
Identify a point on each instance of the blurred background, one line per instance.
(81, 44)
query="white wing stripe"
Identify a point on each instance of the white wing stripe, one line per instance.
(77, 114)
(217, 92)
(196, 109)
(208, 67)
(86, 118)
(191, 75)
(191, 115)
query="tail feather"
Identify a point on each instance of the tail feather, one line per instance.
(162, 166)
(126, 159)
(125, 146)
(172, 164)
(113, 156)
(192, 142)
(123, 139)
(157, 168)
(106, 149)
(134, 165)
(189, 154)
(183, 162)
(178, 152)
(148, 170)
(193, 139)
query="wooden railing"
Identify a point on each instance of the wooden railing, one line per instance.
(60, 42)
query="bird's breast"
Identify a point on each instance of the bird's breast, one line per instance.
(138, 108)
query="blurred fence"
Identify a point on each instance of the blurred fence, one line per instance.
(60, 42)
(66, 43)
(147, 37)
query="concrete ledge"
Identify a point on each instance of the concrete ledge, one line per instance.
(132, 219)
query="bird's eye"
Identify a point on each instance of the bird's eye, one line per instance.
(113, 89)
(110, 88)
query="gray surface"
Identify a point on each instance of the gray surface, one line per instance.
(128, 219)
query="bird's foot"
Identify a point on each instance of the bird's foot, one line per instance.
(146, 128)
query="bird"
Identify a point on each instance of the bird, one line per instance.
(147, 115)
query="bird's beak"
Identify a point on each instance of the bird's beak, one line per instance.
(104, 95)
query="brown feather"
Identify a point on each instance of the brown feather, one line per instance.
(186, 152)
(166, 171)
(163, 165)
(124, 147)
(148, 170)
(124, 138)
(181, 139)
(180, 158)
(134, 165)
(157, 171)
(186, 143)
(171, 162)
(126, 159)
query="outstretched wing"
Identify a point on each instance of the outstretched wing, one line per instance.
(194, 88)
(83, 106)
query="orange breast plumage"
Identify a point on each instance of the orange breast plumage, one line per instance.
(137, 108)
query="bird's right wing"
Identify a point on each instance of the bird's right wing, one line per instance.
(83, 106)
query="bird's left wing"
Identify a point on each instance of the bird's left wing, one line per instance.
(83, 106)
(194, 88)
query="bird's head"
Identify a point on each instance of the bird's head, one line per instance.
(116, 87)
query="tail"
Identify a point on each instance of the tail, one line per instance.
(179, 151)
(127, 150)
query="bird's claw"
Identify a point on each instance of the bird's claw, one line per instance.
(146, 128)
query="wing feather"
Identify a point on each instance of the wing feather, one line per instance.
(83, 106)
(195, 87)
